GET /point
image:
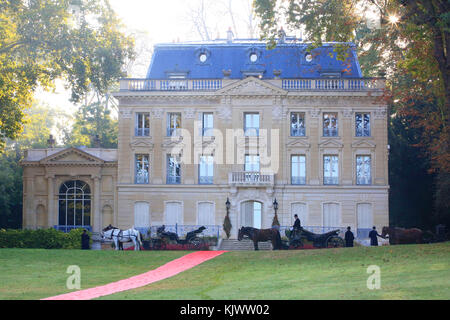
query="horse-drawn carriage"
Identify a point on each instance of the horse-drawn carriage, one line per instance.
(298, 237)
(165, 237)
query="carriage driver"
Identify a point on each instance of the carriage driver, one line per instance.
(297, 225)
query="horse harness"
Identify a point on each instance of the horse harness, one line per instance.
(120, 235)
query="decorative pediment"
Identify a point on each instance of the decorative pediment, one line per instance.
(251, 87)
(71, 156)
(141, 143)
(363, 144)
(298, 143)
(173, 142)
(331, 143)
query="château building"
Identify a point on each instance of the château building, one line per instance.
(227, 119)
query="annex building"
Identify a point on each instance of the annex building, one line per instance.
(227, 119)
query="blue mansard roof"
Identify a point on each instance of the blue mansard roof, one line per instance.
(188, 60)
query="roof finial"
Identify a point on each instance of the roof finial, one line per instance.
(230, 35)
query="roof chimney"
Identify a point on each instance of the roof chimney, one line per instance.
(281, 35)
(230, 35)
(51, 142)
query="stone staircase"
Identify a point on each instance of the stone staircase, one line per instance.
(235, 245)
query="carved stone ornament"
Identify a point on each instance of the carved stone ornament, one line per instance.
(347, 113)
(380, 113)
(157, 113)
(126, 114)
(189, 113)
(224, 112)
(314, 112)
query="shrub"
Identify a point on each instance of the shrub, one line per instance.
(41, 239)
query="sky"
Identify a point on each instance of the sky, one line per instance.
(164, 21)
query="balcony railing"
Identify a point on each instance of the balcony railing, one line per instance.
(170, 85)
(358, 84)
(250, 178)
(333, 84)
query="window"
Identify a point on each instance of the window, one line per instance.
(74, 204)
(251, 163)
(297, 124)
(141, 215)
(362, 124)
(205, 214)
(251, 124)
(298, 169)
(206, 170)
(142, 127)
(173, 170)
(173, 214)
(207, 124)
(331, 215)
(330, 170)
(330, 125)
(253, 57)
(363, 174)
(173, 124)
(142, 168)
(301, 211)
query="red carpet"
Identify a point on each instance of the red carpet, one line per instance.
(165, 271)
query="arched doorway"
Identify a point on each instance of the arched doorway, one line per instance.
(74, 202)
(251, 214)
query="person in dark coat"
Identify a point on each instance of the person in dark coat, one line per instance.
(373, 237)
(297, 225)
(349, 237)
(85, 241)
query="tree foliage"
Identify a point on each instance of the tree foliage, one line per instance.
(42, 40)
(93, 127)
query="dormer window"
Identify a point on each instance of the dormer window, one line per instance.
(203, 57)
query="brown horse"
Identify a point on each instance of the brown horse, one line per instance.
(402, 236)
(261, 235)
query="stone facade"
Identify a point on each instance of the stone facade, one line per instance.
(117, 198)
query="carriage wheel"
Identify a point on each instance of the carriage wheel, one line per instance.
(335, 242)
(197, 242)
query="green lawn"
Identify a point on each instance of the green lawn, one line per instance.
(407, 272)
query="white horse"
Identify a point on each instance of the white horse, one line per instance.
(118, 235)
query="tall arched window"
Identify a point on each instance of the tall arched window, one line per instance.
(74, 204)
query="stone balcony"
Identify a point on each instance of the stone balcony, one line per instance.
(250, 179)
(305, 84)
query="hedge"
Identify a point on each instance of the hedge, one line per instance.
(41, 239)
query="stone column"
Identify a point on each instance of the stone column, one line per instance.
(97, 214)
(50, 201)
(347, 156)
(314, 124)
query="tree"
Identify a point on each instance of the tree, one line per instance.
(410, 44)
(93, 121)
(39, 121)
(42, 40)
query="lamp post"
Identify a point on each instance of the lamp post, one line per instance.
(226, 222)
(275, 223)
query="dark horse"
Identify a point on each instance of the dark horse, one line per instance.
(261, 235)
(402, 236)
